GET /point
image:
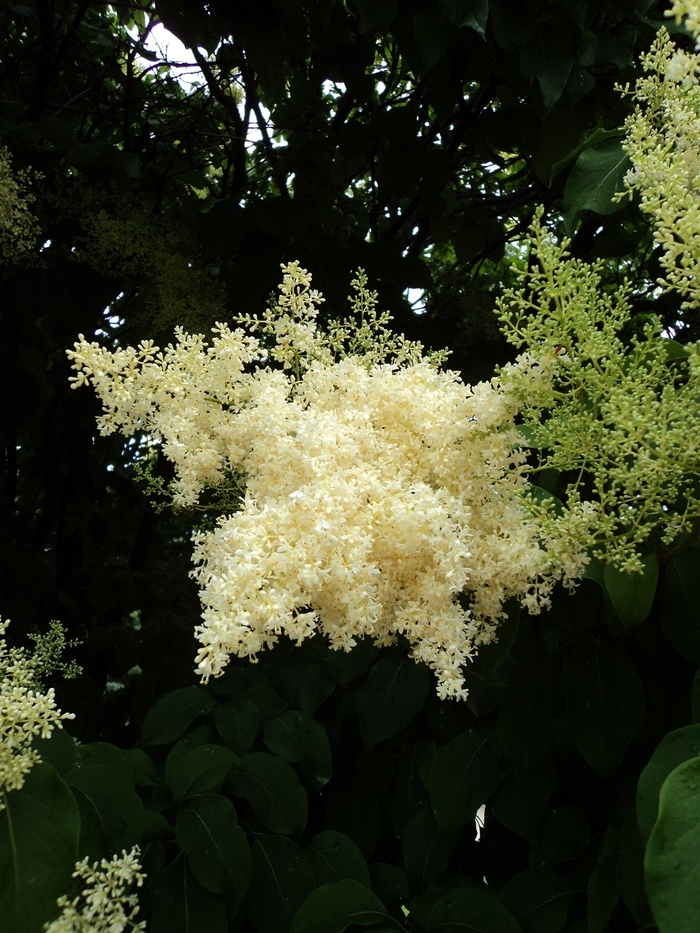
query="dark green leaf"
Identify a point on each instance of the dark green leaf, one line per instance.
(549, 57)
(141, 767)
(389, 882)
(598, 174)
(174, 713)
(179, 903)
(200, 771)
(282, 880)
(39, 829)
(521, 796)
(333, 857)
(393, 695)
(273, 790)
(675, 748)
(528, 708)
(471, 13)
(605, 699)
(564, 836)
(672, 858)
(217, 847)
(353, 809)
(111, 813)
(469, 910)
(60, 750)
(681, 597)
(630, 872)
(334, 907)
(237, 724)
(538, 900)
(425, 849)
(463, 776)
(295, 737)
(632, 593)
(603, 895)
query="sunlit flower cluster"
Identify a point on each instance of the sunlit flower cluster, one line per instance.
(620, 419)
(377, 500)
(18, 226)
(26, 711)
(663, 141)
(103, 904)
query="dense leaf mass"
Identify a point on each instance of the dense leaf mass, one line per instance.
(319, 790)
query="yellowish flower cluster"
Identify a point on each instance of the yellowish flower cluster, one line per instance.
(622, 419)
(25, 712)
(18, 226)
(103, 904)
(663, 141)
(376, 495)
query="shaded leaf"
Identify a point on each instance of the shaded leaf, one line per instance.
(333, 857)
(334, 907)
(237, 724)
(281, 881)
(425, 849)
(272, 788)
(179, 903)
(200, 771)
(295, 737)
(394, 693)
(632, 593)
(174, 713)
(538, 900)
(469, 910)
(463, 776)
(675, 748)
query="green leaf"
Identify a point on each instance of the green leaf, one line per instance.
(470, 910)
(237, 724)
(353, 809)
(333, 857)
(528, 707)
(548, 56)
(332, 908)
(295, 737)
(273, 790)
(201, 735)
(282, 880)
(174, 713)
(389, 882)
(632, 593)
(538, 900)
(179, 903)
(564, 835)
(425, 849)
(675, 748)
(471, 13)
(200, 771)
(111, 812)
(491, 656)
(60, 750)
(672, 858)
(39, 829)
(681, 597)
(598, 174)
(522, 795)
(463, 776)
(605, 700)
(630, 872)
(349, 665)
(695, 698)
(603, 894)
(217, 847)
(141, 767)
(394, 693)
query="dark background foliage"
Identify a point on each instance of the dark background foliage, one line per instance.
(414, 139)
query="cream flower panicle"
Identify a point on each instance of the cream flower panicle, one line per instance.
(26, 711)
(103, 903)
(380, 496)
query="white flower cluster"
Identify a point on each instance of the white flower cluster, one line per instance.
(663, 141)
(103, 904)
(379, 499)
(25, 712)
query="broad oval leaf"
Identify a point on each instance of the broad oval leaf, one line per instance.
(295, 737)
(632, 593)
(672, 857)
(272, 788)
(39, 829)
(394, 693)
(605, 700)
(470, 910)
(174, 713)
(334, 857)
(237, 724)
(334, 907)
(217, 847)
(425, 849)
(463, 776)
(681, 597)
(596, 177)
(538, 900)
(200, 771)
(281, 881)
(675, 748)
(179, 903)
